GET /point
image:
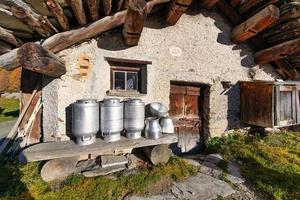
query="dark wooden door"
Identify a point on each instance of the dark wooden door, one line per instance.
(186, 110)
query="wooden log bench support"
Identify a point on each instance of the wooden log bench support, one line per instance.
(255, 24)
(277, 52)
(66, 149)
(175, 10)
(134, 22)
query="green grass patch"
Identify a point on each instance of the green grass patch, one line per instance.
(9, 109)
(19, 181)
(271, 163)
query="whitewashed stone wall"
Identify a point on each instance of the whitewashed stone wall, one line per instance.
(196, 49)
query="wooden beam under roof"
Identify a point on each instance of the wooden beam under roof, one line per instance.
(28, 16)
(134, 22)
(106, 7)
(176, 9)
(4, 47)
(208, 4)
(277, 52)
(229, 12)
(93, 6)
(58, 13)
(248, 5)
(78, 11)
(255, 24)
(7, 36)
(235, 3)
(119, 4)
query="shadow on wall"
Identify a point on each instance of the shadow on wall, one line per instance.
(69, 120)
(233, 107)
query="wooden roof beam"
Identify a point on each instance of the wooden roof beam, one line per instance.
(255, 24)
(176, 9)
(106, 7)
(235, 3)
(208, 4)
(28, 16)
(277, 52)
(4, 47)
(93, 6)
(134, 22)
(229, 12)
(248, 5)
(7, 36)
(58, 13)
(78, 11)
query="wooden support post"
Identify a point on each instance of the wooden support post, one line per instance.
(78, 11)
(277, 52)
(4, 48)
(176, 9)
(229, 12)
(93, 6)
(28, 16)
(159, 154)
(134, 22)
(58, 13)
(8, 37)
(255, 24)
(34, 57)
(208, 4)
(106, 7)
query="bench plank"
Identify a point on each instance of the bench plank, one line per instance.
(64, 149)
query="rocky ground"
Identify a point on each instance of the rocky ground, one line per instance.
(215, 179)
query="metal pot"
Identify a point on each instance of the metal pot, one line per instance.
(85, 121)
(167, 125)
(111, 119)
(134, 117)
(153, 129)
(158, 109)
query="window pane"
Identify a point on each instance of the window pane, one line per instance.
(120, 80)
(132, 79)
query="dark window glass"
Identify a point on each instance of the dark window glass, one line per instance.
(120, 80)
(132, 79)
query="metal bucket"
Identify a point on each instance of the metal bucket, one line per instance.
(85, 121)
(111, 119)
(153, 128)
(134, 118)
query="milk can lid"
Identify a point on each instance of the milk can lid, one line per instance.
(86, 101)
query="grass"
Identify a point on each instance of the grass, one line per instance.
(271, 163)
(9, 109)
(23, 182)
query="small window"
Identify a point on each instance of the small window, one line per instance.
(128, 76)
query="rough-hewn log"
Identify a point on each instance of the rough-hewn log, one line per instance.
(58, 13)
(78, 11)
(208, 4)
(66, 39)
(278, 52)
(34, 57)
(28, 16)
(235, 3)
(229, 12)
(4, 48)
(93, 6)
(134, 22)
(248, 5)
(8, 37)
(119, 4)
(159, 154)
(255, 24)
(287, 69)
(106, 6)
(176, 9)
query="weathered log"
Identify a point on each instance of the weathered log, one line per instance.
(106, 6)
(208, 4)
(248, 5)
(28, 16)
(7, 36)
(34, 57)
(119, 4)
(93, 6)
(66, 39)
(229, 12)
(159, 154)
(78, 11)
(255, 24)
(277, 52)
(235, 3)
(286, 68)
(134, 22)
(58, 13)
(176, 9)
(4, 48)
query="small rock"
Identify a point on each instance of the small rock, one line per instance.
(103, 171)
(216, 173)
(212, 158)
(192, 162)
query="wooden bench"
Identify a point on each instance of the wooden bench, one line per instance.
(66, 149)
